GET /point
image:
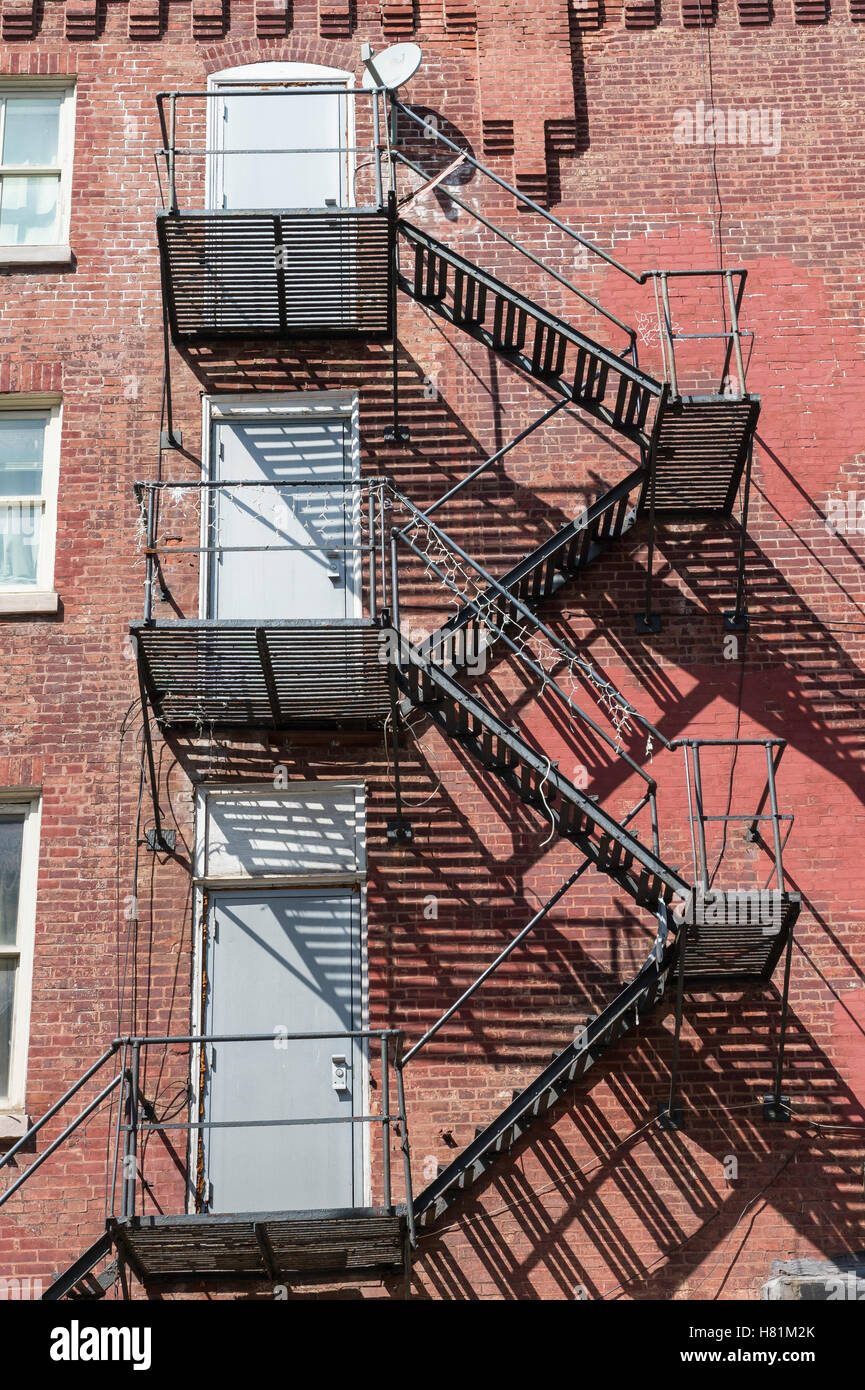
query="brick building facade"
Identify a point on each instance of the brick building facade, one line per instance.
(600, 113)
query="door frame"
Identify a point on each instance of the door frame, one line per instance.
(256, 74)
(278, 406)
(203, 885)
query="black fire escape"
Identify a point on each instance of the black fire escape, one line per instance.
(281, 275)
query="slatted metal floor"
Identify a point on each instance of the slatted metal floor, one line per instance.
(743, 948)
(260, 1246)
(276, 274)
(702, 448)
(279, 674)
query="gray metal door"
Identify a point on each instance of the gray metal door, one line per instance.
(279, 151)
(284, 552)
(282, 962)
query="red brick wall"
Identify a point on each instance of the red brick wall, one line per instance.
(576, 103)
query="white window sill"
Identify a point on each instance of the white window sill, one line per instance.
(13, 1124)
(35, 255)
(28, 601)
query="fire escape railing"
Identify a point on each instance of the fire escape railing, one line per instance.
(171, 151)
(136, 1115)
(363, 509)
(501, 605)
(668, 332)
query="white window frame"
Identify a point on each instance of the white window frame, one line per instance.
(355, 879)
(275, 74)
(40, 596)
(290, 405)
(59, 252)
(30, 802)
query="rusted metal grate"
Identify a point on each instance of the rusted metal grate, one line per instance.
(259, 1245)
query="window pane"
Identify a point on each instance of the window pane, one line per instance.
(8, 971)
(32, 130)
(20, 529)
(28, 210)
(11, 840)
(22, 448)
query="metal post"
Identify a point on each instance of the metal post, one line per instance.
(385, 1121)
(395, 433)
(670, 1115)
(406, 1149)
(777, 1106)
(734, 328)
(376, 137)
(130, 1162)
(776, 828)
(398, 829)
(649, 622)
(371, 550)
(172, 122)
(653, 812)
(690, 807)
(701, 823)
(394, 596)
(149, 574)
(737, 621)
(668, 331)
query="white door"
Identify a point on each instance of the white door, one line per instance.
(283, 962)
(284, 552)
(273, 150)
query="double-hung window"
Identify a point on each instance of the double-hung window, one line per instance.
(36, 137)
(29, 466)
(19, 833)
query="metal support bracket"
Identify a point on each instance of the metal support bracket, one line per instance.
(171, 439)
(646, 623)
(397, 434)
(735, 621)
(161, 841)
(670, 1116)
(777, 1109)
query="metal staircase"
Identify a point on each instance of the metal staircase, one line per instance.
(613, 850)
(695, 446)
(625, 1013)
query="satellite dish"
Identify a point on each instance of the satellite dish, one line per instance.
(392, 67)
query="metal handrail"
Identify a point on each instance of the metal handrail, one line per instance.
(535, 260)
(147, 494)
(566, 652)
(697, 816)
(170, 148)
(523, 198)
(131, 1105)
(733, 336)
(132, 1126)
(511, 946)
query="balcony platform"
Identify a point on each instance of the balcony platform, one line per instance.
(737, 952)
(260, 1246)
(313, 673)
(702, 448)
(276, 274)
